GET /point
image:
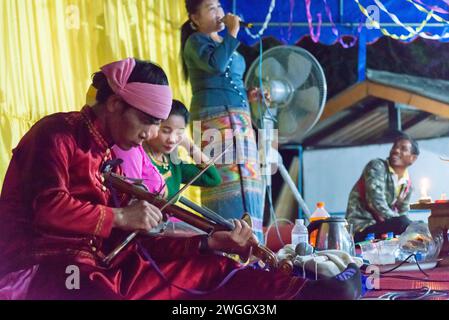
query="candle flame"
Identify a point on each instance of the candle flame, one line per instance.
(425, 184)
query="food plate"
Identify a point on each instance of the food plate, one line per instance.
(409, 266)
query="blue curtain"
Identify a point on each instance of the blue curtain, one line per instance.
(346, 24)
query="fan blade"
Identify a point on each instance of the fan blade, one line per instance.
(308, 100)
(271, 69)
(298, 69)
(287, 122)
(296, 120)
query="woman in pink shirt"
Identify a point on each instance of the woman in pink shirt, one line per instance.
(137, 165)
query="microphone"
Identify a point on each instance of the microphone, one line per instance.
(244, 24)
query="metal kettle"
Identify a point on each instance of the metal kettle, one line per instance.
(332, 234)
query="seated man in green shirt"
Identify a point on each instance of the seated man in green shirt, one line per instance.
(379, 201)
(171, 135)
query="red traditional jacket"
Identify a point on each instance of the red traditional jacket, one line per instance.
(53, 200)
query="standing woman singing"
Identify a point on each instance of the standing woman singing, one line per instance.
(215, 70)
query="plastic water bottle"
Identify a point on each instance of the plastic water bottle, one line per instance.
(299, 233)
(319, 214)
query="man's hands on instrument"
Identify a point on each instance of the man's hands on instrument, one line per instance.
(140, 215)
(237, 241)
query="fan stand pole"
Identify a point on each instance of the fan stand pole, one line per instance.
(266, 155)
(271, 156)
(286, 176)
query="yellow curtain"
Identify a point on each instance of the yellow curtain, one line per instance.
(50, 49)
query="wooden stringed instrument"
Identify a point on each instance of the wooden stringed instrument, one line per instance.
(207, 225)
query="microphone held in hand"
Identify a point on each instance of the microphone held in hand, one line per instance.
(248, 25)
(244, 24)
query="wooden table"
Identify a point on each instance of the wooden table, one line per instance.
(438, 223)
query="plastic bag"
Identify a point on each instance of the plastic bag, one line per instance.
(417, 240)
(382, 252)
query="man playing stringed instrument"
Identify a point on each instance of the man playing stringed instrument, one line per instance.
(57, 215)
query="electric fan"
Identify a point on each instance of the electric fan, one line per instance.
(298, 90)
(297, 86)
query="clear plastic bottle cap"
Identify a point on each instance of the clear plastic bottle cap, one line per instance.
(299, 221)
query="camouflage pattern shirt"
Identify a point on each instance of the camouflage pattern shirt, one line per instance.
(375, 196)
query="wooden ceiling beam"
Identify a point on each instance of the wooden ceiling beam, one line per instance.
(409, 98)
(362, 90)
(345, 99)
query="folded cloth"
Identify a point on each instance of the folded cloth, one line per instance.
(326, 263)
(321, 264)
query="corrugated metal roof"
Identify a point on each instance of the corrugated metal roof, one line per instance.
(430, 128)
(369, 128)
(367, 122)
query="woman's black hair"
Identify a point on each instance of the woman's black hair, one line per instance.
(179, 109)
(144, 71)
(187, 30)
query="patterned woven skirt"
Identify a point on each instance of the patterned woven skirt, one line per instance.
(242, 188)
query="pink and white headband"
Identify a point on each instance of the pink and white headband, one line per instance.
(153, 99)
